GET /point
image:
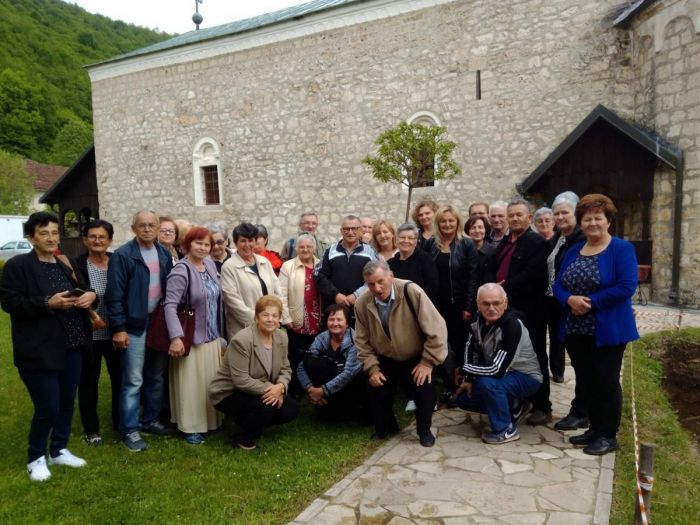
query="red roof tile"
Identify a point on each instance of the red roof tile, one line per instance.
(44, 174)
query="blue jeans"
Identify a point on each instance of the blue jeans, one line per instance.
(53, 396)
(493, 396)
(142, 375)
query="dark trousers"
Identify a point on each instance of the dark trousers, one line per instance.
(457, 330)
(381, 399)
(350, 401)
(299, 344)
(556, 347)
(252, 416)
(53, 396)
(538, 335)
(89, 385)
(598, 382)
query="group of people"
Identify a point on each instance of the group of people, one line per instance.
(342, 324)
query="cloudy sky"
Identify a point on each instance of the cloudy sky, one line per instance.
(175, 16)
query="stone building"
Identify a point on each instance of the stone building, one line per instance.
(264, 118)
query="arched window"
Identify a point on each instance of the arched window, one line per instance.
(425, 118)
(206, 170)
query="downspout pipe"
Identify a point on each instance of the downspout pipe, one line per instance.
(674, 294)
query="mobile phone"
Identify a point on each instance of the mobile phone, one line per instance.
(76, 292)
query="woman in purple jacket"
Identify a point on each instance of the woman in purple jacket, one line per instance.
(595, 285)
(190, 376)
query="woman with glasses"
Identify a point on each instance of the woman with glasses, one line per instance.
(168, 236)
(412, 264)
(92, 265)
(220, 251)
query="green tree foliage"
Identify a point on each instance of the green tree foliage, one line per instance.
(413, 154)
(15, 185)
(75, 135)
(45, 45)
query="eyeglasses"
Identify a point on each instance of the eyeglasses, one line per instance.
(100, 238)
(219, 242)
(489, 304)
(166, 231)
(349, 229)
(149, 226)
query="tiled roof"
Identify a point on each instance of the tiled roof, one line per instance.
(44, 175)
(236, 27)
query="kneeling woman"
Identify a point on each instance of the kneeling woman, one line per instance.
(330, 372)
(252, 383)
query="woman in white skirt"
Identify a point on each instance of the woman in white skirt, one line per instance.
(190, 376)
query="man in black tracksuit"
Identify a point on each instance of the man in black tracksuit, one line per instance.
(339, 276)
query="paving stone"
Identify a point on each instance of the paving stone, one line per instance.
(526, 479)
(568, 518)
(531, 518)
(434, 509)
(509, 467)
(544, 455)
(474, 464)
(335, 515)
(490, 498)
(562, 495)
(399, 510)
(546, 505)
(309, 512)
(398, 520)
(371, 514)
(551, 472)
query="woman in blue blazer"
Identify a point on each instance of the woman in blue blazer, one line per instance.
(595, 285)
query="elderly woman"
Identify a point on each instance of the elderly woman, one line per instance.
(384, 239)
(51, 331)
(168, 236)
(251, 384)
(92, 265)
(330, 373)
(219, 245)
(260, 248)
(567, 234)
(423, 216)
(456, 259)
(245, 278)
(194, 278)
(413, 264)
(544, 222)
(595, 284)
(301, 303)
(478, 230)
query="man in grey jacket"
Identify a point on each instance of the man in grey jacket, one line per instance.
(500, 366)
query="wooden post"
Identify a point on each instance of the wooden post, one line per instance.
(646, 471)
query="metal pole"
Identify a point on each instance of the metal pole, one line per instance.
(646, 481)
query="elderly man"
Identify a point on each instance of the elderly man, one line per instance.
(339, 275)
(400, 337)
(519, 263)
(500, 367)
(308, 223)
(497, 219)
(366, 223)
(135, 283)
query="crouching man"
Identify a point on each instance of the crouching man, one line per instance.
(500, 366)
(400, 338)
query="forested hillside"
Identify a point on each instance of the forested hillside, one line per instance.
(45, 111)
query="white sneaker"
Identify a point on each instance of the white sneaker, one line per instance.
(66, 458)
(410, 406)
(37, 469)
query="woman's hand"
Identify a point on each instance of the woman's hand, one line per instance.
(85, 300)
(177, 348)
(274, 395)
(579, 304)
(62, 301)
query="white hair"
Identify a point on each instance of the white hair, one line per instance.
(491, 286)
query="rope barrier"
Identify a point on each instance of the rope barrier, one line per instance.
(643, 482)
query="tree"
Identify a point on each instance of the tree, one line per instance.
(74, 136)
(21, 120)
(413, 155)
(16, 189)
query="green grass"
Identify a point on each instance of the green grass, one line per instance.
(675, 499)
(172, 482)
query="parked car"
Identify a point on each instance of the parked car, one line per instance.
(12, 248)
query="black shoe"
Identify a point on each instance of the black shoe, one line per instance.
(601, 446)
(158, 429)
(539, 417)
(571, 422)
(377, 437)
(427, 439)
(588, 437)
(520, 410)
(558, 379)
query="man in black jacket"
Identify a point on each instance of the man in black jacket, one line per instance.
(519, 265)
(339, 276)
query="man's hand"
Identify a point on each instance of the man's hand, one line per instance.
(350, 300)
(62, 301)
(274, 395)
(422, 373)
(120, 340)
(466, 316)
(579, 304)
(377, 379)
(464, 387)
(340, 299)
(316, 395)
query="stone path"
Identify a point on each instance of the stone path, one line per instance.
(539, 480)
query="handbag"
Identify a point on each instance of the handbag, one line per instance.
(157, 336)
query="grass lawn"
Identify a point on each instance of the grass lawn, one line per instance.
(172, 482)
(675, 499)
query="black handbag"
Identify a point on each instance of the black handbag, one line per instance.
(157, 336)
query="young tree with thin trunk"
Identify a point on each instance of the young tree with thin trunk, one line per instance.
(413, 155)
